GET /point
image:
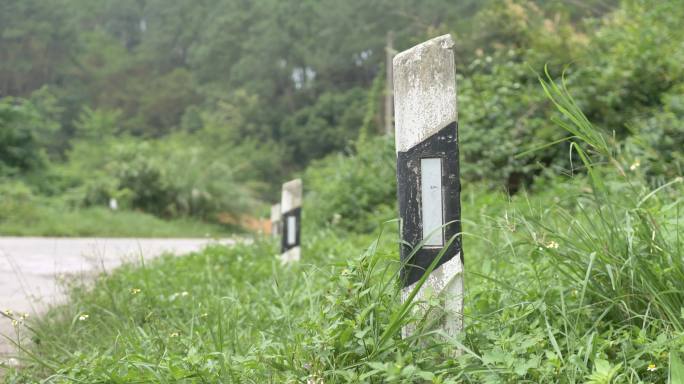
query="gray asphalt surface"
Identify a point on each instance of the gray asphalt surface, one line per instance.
(31, 267)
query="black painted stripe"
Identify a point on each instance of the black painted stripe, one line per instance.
(444, 145)
(297, 213)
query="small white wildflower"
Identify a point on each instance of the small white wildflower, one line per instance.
(174, 334)
(12, 362)
(83, 317)
(651, 367)
(135, 291)
(636, 164)
(15, 323)
(551, 245)
(24, 316)
(184, 293)
(8, 312)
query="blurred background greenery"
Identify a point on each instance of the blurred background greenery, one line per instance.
(201, 109)
(191, 115)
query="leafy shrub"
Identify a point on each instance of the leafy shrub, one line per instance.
(325, 127)
(657, 139)
(356, 191)
(580, 283)
(177, 176)
(630, 68)
(15, 200)
(20, 150)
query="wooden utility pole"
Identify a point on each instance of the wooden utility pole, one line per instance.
(428, 177)
(389, 87)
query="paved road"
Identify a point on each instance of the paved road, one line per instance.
(31, 266)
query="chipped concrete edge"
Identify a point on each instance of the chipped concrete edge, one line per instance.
(445, 283)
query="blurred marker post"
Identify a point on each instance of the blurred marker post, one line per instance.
(275, 220)
(291, 207)
(428, 182)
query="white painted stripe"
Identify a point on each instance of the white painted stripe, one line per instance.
(292, 195)
(424, 91)
(275, 212)
(447, 282)
(292, 254)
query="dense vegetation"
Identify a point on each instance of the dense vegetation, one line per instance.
(578, 283)
(105, 100)
(575, 278)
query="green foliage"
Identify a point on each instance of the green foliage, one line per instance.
(168, 178)
(289, 72)
(502, 98)
(261, 90)
(36, 42)
(20, 150)
(24, 213)
(325, 127)
(15, 198)
(578, 283)
(355, 191)
(97, 124)
(235, 314)
(628, 69)
(634, 60)
(658, 137)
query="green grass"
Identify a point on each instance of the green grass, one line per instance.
(44, 219)
(237, 315)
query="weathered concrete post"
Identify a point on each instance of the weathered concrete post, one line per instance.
(275, 220)
(291, 207)
(428, 180)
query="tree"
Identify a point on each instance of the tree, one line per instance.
(20, 150)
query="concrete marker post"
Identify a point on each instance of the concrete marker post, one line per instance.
(291, 208)
(276, 225)
(426, 138)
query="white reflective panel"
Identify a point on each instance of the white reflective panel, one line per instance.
(431, 200)
(291, 230)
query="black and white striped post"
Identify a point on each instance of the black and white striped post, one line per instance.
(276, 224)
(426, 138)
(291, 208)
